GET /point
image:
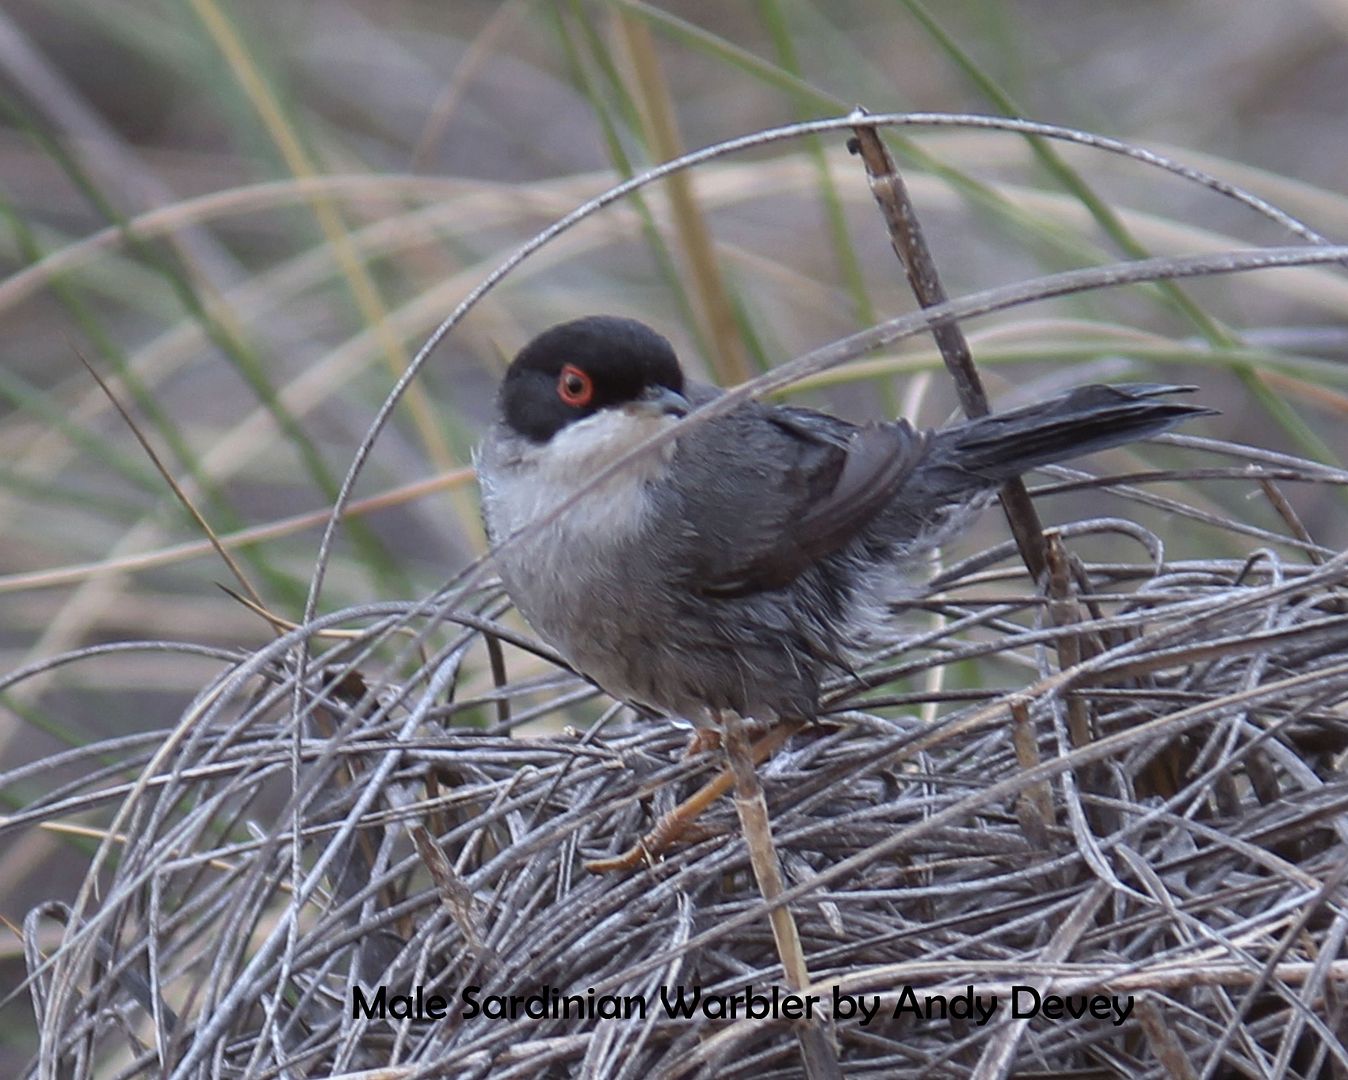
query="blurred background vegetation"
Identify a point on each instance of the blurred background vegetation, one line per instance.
(247, 216)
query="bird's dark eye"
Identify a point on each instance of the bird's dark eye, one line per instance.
(575, 387)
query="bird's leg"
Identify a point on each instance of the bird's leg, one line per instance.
(675, 823)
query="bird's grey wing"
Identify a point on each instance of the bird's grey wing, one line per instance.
(771, 491)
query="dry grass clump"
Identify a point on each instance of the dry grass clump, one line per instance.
(1143, 799)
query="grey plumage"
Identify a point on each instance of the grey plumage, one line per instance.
(745, 561)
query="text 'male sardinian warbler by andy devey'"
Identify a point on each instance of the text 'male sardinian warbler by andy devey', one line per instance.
(739, 564)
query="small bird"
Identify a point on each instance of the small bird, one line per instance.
(739, 564)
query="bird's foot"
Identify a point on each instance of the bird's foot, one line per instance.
(676, 824)
(704, 739)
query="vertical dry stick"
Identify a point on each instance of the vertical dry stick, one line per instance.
(1034, 806)
(906, 235)
(1285, 511)
(1063, 611)
(818, 1055)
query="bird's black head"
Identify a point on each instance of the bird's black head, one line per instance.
(576, 368)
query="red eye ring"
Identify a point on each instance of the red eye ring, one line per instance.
(574, 387)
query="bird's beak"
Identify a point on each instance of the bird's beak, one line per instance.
(660, 401)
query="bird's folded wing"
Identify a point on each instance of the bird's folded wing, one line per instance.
(803, 486)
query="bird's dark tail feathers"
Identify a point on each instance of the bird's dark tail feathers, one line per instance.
(1090, 418)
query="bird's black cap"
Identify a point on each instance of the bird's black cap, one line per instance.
(576, 368)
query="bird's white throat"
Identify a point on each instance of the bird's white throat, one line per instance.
(533, 481)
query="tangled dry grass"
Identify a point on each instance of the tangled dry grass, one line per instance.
(1152, 808)
(1137, 801)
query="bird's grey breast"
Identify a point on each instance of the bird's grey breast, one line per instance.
(575, 562)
